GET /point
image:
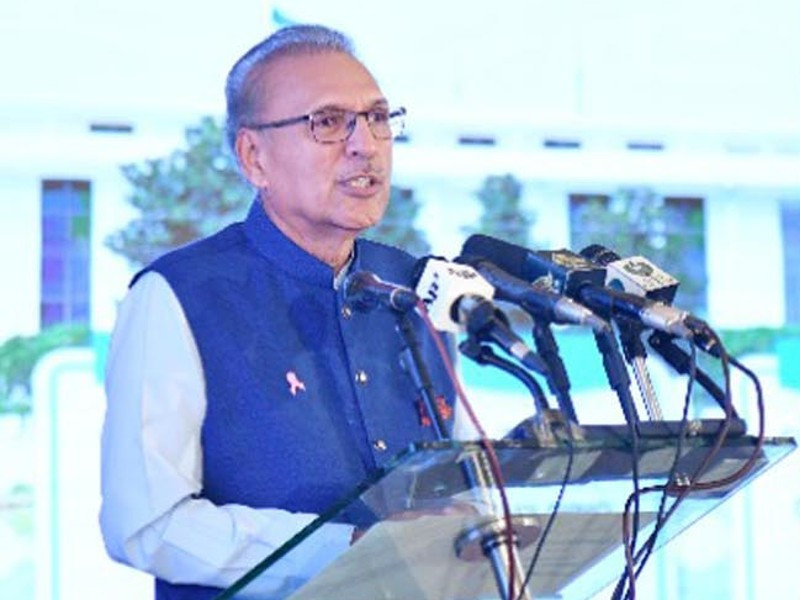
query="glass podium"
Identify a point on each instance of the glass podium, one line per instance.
(426, 521)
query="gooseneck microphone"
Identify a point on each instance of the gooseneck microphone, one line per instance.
(545, 307)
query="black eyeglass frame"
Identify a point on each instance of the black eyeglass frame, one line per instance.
(353, 115)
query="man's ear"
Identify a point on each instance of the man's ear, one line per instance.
(249, 151)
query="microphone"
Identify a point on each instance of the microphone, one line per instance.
(365, 290)
(544, 306)
(569, 273)
(458, 299)
(536, 300)
(635, 275)
(639, 276)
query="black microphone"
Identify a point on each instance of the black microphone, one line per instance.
(458, 299)
(545, 307)
(638, 276)
(569, 273)
(537, 301)
(365, 290)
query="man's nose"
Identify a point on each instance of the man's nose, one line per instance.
(362, 141)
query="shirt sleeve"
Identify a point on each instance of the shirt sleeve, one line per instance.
(152, 516)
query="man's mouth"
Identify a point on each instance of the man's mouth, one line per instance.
(361, 182)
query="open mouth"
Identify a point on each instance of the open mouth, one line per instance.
(362, 182)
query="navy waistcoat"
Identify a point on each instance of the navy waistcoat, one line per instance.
(305, 397)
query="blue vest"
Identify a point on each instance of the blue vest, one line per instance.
(306, 397)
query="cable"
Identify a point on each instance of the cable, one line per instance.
(618, 379)
(494, 463)
(680, 360)
(484, 355)
(682, 490)
(557, 378)
(551, 519)
(644, 553)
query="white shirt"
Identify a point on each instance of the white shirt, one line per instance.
(151, 515)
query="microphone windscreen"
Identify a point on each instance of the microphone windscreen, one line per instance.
(440, 284)
(507, 256)
(599, 254)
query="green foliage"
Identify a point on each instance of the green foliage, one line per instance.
(190, 194)
(756, 340)
(396, 228)
(637, 221)
(502, 216)
(19, 355)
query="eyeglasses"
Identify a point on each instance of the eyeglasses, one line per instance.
(333, 125)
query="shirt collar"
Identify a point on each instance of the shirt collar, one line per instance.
(287, 256)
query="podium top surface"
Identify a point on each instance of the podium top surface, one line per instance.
(419, 508)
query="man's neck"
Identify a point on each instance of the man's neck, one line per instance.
(334, 247)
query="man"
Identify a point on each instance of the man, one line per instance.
(245, 396)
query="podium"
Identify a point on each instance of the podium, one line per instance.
(425, 519)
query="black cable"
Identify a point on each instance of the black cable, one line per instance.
(681, 361)
(682, 490)
(484, 355)
(557, 378)
(644, 553)
(551, 519)
(617, 375)
(485, 442)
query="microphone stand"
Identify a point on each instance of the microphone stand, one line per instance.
(617, 376)
(635, 353)
(484, 355)
(557, 378)
(491, 536)
(548, 424)
(414, 364)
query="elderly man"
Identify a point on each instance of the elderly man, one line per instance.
(245, 395)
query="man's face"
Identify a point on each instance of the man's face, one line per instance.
(312, 191)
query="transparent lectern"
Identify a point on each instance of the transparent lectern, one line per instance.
(429, 523)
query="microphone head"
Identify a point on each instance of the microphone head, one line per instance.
(599, 254)
(560, 271)
(635, 275)
(509, 257)
(441, 284)
(355, 288)
(365, 291)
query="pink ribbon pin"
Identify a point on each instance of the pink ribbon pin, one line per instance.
(295, 384)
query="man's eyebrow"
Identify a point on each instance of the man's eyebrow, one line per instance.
(381, 103)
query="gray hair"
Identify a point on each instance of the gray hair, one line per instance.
(241, 85)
